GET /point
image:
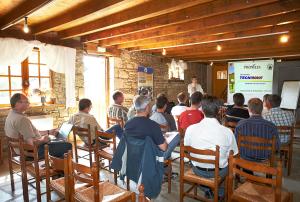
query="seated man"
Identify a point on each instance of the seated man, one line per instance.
(117, 110)
(206, 135)
(18, 123)
(83, 118)
(278, 116)
(181, 106)
(192, 115)
(258, 127)
(162, 118)
(141, 126)
(170, 105)
(237, 112)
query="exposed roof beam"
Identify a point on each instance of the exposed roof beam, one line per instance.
(83, 10)
(147, 10)
(207, 36)
(137, 38)
(167, 23)
(21, 11)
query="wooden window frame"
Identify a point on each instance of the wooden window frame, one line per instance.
(25, 77)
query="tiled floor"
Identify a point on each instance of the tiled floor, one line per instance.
(292, 183)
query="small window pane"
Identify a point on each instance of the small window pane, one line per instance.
(4, 97)
(45, 83)
(16, 83)
(34, 57)
(44, 70)
(4, 83)
(16, 70)
(34, 83)
(33, 70)
(3, 70)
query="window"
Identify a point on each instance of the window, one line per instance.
(176, 70)
(33, 73)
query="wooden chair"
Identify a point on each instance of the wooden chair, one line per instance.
(1, 151)
(142, 197)
(258, 144)
(189, 177)
(17, 160)
(83, 133)
(98, 190)
(256, 188)
(113, 121)
(60, 166)
(231, 125)
(35, 166)
(287, 148)
(105, 153)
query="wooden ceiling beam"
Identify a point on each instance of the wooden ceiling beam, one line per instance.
(170, 24)
(211, 35)
(81, 11)
(147, 10)
(250, 56)
(201, 26)
(21, 11)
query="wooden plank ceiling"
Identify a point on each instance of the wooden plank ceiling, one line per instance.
(187, 29)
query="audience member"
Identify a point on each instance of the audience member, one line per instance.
(83, 118)
(206, 135)
(278, 116)
(237, 112)
(192, 115)
(181, 106)
(162, 118)
(141, 126)
(170, 105)
(117, 110)
(265, 104)
(258, 127)
(18, 123)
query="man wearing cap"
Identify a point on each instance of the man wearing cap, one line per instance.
(141, 126)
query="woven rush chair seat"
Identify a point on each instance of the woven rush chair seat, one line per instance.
(42, 170)
(59, 185)
(106, 153)
(256, 192)
(87, 195)
(192, 177)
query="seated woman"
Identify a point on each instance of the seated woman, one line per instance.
(83, 118)
(237, 112)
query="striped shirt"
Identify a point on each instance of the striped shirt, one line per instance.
(280, 118)
(118, 111)
(258, 127)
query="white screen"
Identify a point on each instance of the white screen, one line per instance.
(252, 78)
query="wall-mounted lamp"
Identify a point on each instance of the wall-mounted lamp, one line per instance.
(164, 52)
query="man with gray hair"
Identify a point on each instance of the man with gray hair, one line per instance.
(141, 126)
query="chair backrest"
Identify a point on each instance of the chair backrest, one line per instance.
(253, 143)
(113, 121)
(286, 130)
(103, 138)
(237, 166)
(164, 128)
(13, 145)
(57, 165)
(83, 132)
(187, 151)
(81, 173)
(230, 124)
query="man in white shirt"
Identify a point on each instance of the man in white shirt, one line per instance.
(181, 106)
(194, 86)
(206, 135)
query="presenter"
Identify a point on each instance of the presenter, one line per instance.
(194, 86)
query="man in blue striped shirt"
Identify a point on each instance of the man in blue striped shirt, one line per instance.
(258, 127)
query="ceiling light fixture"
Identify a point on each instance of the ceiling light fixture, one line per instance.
(284, 38)
(219, 48)
(25, 28)
(211, 63)
(101, 49)
(164, 52)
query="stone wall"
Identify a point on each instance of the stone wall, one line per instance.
(126, 75)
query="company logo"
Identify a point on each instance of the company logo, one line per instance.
(269, 66)
(252, 66)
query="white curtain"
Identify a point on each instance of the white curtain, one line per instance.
(58, 58)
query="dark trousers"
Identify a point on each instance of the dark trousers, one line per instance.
(56, 149)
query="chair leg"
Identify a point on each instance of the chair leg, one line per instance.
(181, 187)
(116, 177)
(169, 175)
(128, 183)
(25, 185)
(38, 189)
(290, 160)
(11, 173)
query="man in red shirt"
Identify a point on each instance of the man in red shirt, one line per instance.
(193, 114)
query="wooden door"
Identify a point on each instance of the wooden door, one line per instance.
(219, 80)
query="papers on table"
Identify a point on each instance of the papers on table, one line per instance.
(169, 136)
